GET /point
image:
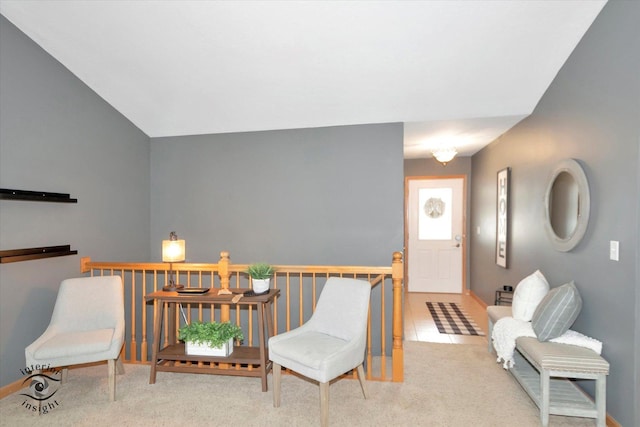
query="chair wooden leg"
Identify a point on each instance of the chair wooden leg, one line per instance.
(119, 366)
(112, 379)
(363, 385)
(324, 404)
(277, 376)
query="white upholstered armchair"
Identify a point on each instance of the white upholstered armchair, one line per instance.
(331, 343)
(87, 325)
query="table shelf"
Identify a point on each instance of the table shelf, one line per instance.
(503, 297)
(565, 397)
(241, 354)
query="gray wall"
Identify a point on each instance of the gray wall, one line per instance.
(591, 113)
(313, 196)
(57, 135)
(322, 196)
(310, 196)
(430, 167)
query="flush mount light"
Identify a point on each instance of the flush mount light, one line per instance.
(444, 155)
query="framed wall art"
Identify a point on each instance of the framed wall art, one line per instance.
(502, 217)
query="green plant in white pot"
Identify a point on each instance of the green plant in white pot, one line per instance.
(210, 338)
(260, 274)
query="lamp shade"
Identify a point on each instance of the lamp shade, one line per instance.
(444, 155)
(173, 250)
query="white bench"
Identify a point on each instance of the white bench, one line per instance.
(545, 369)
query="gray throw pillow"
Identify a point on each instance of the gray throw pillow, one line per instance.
(556, 312)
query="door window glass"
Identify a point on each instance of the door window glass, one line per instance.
(434, 213)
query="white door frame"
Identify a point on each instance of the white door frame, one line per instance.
(407, 179)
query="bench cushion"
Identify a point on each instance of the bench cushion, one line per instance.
(497, 312)
(71, 344)
(561, 357)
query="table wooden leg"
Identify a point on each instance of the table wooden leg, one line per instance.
(171, 323)
(158, 310)
(263, 347)
(268, 313)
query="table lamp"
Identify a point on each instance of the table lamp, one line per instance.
(173, 250)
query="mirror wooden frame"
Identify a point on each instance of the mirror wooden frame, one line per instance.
(573, 168)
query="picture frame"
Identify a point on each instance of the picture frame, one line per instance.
(502, 216)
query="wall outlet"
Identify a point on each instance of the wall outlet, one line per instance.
(614, 250)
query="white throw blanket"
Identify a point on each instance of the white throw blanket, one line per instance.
(507, 330)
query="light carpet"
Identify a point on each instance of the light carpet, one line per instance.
(445, 385)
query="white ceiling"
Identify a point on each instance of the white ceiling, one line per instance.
(460, 72)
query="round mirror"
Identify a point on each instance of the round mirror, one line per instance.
(566, 205)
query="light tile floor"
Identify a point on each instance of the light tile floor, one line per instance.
(419, 325)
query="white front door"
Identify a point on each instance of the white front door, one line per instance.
(435, 235)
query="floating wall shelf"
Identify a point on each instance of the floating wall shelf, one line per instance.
(16, 255)
(36, 196)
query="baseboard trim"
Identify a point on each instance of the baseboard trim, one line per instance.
(611, 422)
(477, 298)
(11, 388)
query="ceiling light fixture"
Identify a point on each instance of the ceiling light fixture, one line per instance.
(444, 155)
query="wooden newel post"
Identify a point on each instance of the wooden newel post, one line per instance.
(223, 271)
(397, 352)
(84, 261)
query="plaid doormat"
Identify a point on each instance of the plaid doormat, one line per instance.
(450, 318)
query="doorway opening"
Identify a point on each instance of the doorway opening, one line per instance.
(435, 234)
(435, 256)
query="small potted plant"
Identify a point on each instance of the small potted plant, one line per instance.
(210, 338)
(260, 274)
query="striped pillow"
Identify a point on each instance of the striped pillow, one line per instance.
(556, 312)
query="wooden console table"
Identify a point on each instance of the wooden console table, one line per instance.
(163, 359)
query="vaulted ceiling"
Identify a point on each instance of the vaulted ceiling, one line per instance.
(455, 72)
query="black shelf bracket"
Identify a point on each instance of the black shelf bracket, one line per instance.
(36, 196)
(16, 255)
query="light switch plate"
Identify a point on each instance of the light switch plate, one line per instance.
(614, 250)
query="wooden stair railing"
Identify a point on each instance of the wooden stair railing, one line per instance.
(299, 285)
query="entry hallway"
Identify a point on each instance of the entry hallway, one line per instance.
(419, 325)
